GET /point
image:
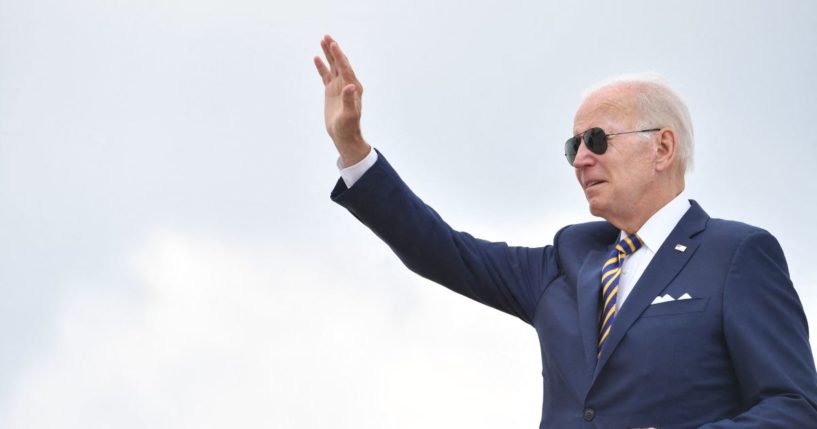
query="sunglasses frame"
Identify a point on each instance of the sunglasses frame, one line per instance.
(595, 140)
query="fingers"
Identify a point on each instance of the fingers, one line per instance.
(342, 65)
(325, 45)
(326, 75)
(338, 65)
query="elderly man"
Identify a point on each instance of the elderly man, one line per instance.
(659, 316)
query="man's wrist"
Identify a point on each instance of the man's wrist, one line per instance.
(352, 149)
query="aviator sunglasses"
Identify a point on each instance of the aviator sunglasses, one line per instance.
(596, 141)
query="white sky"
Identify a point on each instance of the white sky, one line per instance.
(169, 256)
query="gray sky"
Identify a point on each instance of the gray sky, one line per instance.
(170, 256)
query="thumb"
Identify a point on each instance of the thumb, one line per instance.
(349, 94)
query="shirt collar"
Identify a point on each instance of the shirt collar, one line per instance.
(660, 225)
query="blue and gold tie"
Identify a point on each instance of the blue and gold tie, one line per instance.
(610, 273)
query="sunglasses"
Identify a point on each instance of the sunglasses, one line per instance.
(596, 141)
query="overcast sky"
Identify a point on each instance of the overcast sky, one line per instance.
(169, 255)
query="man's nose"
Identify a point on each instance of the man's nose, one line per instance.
(583, 156)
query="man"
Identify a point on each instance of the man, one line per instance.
(660, 316)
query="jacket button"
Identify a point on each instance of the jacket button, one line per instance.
(589, 413)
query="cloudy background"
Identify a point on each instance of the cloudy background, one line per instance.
(169, 255)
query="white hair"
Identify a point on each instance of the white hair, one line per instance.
(657, 105)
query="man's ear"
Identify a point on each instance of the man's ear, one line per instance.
(666, 149)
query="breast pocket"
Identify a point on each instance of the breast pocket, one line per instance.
(676, 307)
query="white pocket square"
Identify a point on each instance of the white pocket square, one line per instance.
(665, 298)
(668, 298)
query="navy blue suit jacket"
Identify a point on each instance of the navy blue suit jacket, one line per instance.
(735, 355)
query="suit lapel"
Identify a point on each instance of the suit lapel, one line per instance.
(664, 266)
(589, 299)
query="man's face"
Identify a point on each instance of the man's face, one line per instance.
(616, 182)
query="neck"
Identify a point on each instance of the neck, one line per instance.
(646, 208)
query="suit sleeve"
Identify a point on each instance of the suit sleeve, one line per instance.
(510, 279)
(766, 333)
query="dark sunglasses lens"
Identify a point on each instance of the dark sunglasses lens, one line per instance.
(571, 148)
(596, 140)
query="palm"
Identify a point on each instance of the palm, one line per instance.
(337, 119)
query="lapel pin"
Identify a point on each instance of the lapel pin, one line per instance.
(680, 247)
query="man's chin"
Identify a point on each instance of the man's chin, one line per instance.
(596, 209)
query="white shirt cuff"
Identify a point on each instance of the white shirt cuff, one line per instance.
(352, 173)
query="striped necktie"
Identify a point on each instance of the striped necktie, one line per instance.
(610, 273)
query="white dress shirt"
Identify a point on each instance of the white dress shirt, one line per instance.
(653, 233)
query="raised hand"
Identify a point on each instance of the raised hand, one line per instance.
(342, 103)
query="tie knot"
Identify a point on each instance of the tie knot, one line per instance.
(629, 244)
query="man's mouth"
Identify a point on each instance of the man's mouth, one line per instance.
(592, 183)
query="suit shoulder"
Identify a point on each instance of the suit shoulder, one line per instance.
(731, 237)
(730, 230)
